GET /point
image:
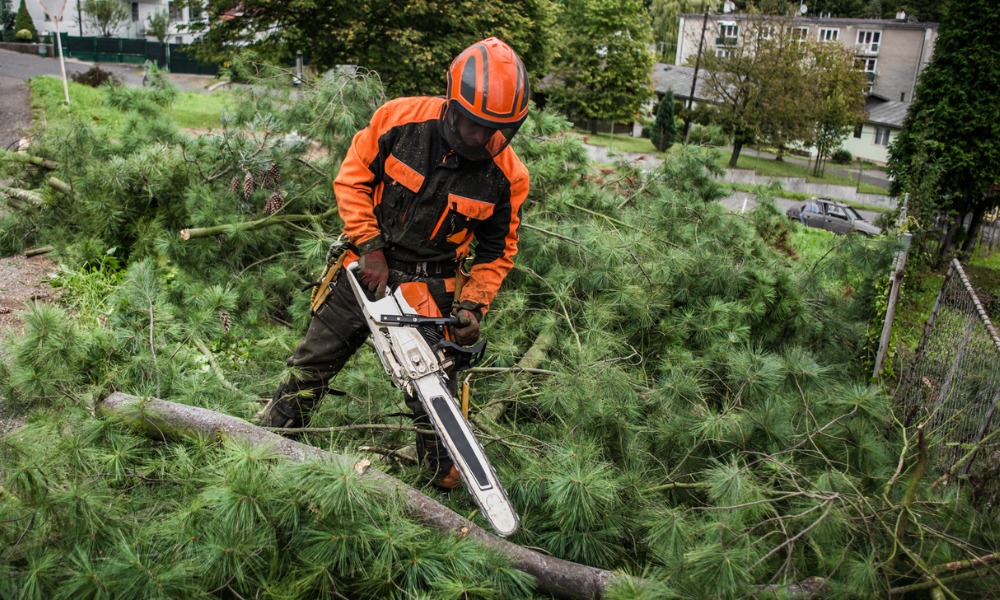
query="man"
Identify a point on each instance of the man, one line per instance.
(425, 178)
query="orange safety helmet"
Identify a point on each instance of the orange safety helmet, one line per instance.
(487, 99)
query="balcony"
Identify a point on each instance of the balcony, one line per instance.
(725, 41)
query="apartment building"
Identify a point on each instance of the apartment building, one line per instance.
(891, 52)
(74, 20)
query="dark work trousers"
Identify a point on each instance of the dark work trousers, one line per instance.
(335, 333)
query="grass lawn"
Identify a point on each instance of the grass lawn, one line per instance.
(190, 110)
(622, 143)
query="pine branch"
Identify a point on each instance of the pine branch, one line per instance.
(23, 197)
(201, 232)
(59, 185)
(926, 585)
(361, 427)
(530, 361)
(218, 371)
(552, 234)
(514, 369)
(161, 418)
(397, 454)
(569, 320)
(911, 491)
(38, 251)
(29, 159)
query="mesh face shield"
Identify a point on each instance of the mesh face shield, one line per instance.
(473, 138)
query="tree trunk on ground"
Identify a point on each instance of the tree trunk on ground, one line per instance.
(974, 227)
(162, 419)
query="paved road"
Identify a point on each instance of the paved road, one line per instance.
(15, 68)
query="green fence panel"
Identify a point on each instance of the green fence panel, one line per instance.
(135, 51)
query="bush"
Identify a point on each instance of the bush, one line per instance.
(842, 157)
(94, 77)
(708, 135)
(23, 35)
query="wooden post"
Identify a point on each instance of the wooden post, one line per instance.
(890, 311)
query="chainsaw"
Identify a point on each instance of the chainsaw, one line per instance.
(417, 357)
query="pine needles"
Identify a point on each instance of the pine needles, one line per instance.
(697, 417)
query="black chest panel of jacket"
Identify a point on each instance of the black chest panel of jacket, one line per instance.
(433, 201)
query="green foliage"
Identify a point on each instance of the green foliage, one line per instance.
(664, 131)
(602, 70)
(23, 22)
(158, 25)
(778, 90)
(947, 155)
(702, 419)
(409, 44)
(7, 16)
(106, 16)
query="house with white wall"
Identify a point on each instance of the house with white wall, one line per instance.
(74, 20)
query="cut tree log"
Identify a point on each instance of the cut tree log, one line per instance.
(164, 419)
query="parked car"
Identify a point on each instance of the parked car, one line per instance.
(832, 216)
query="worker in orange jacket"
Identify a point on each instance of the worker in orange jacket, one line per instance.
(425, 183)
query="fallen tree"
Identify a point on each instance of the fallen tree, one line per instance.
(164, 419)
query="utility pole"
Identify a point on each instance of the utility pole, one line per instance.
(694, 80)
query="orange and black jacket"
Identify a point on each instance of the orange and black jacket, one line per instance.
(403, 189)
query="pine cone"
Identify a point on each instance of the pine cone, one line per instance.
(274, 174)
(275, 203)
(226, 320)
(234, 185)
(248, 185)
(221, 239)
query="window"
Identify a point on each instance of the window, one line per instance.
(866, 64)
(176, 12)
(829, 35)
(800, 34)
(868, 41)
(723, 53)
(858, 130)
(135, 12)
(881, 136)
(728, 33)
(836, 212)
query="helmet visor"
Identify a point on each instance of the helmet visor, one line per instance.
(471, 138)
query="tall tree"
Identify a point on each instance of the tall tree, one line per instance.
(158, 25)
(602, 71)
(838, 98)
(664, 132)
(665, 16)
(409, 43)
(775, 89)
(23, 21)
(953, 125)
(106, 16)
(7, 15)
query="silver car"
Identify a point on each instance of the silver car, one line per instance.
(832, 216)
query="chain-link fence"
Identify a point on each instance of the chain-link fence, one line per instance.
(953, 384)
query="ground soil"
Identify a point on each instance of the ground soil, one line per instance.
(22, 280)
